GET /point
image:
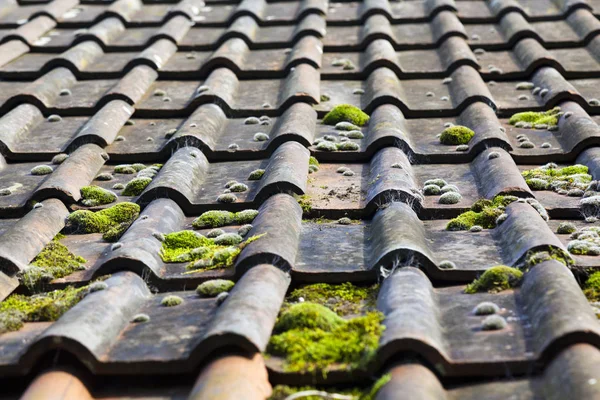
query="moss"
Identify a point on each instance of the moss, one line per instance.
(136, 186)
(171, 301)
(18, 309)
(256, 174)
(238, 187)
(105, 176)
(282, 392)
(346, 113)
(456, 134)
(124, 169)
(226, 198)
(550, 177)
(326, 146)
(305, 203)
(261, 137)
(347, 146)
(97, 287)
(115, 233)
(483, 213)
(213, 233)
(59, 158)
(313, 161)
(591, 288)
(140, 318)
(41, 170)
(346, 126)
(437, 181)
(493, 323)
(344, 299)
(496, 279)
(311, 338)
(53, 262)
(95, 196)
(218, 218)
(200, 252)
(431, 190)
(549, 117)
(228, 239)
(449, 197)
(213, 287)
(486, 308)
(552, 253)
(84, 221)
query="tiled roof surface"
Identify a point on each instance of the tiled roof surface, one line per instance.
(187, 107)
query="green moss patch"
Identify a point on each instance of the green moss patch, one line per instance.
(483, 213)
(344, 299)
(103, 221)
(18, 309)
(529, 119)
(218, 218)
(346, 113)
(495, 280)
(552, 253)
(54, 261)
(201, 253)
(214, 287)
(305, 203)
(561, 180)
(591, 288)
(92, 196)
(312, 338)
(136, 186)
(282, 392)
(456, 134)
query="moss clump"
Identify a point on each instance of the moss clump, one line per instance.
(136, 186)
(53, 262)
(124, 169)
(550, 177)
(549, 117)
(346, 113)
(18, 309)
(586, 242)
(591, 288)
(313, 161)
(256, 174)
(282, 392)
(456, 134)
(200, 252)
(483, 213)
(305, 203)
(213, 287)
(171, 301)
(41, 170)
(92, 196)
(552, 253)
(218, 218)
(495, 280)
(344, 299)
(311, 337)
(85, 221)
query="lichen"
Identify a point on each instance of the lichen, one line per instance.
(346, 113)
(218, 218)
(103, 221)
(18, 309)
(213, 287)
(53, 262)
(201, 253)
(456, 134)
(92, 196)
(311, 338)
(484, 213)
(549, 117)
(550, 177)
(496, 279)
